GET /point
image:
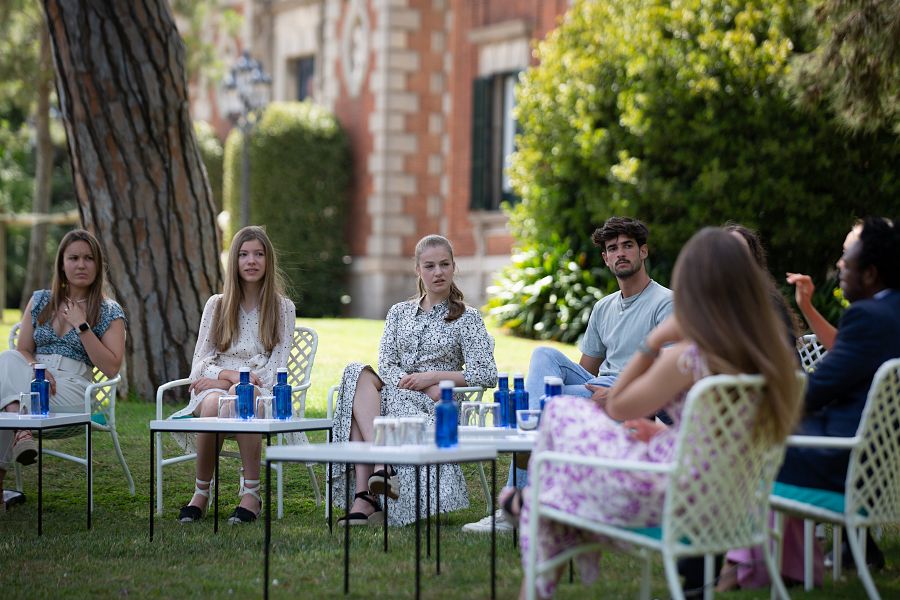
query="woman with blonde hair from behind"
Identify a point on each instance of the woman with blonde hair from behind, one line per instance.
(723, 322)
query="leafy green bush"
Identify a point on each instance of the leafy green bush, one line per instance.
(677, 113)
(299, 173)
(213, 155)
(548, 294)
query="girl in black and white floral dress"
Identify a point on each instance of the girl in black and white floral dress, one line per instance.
(428, 339)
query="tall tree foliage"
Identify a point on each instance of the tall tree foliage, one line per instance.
(140, 182)
(678, 113)
(856, 65)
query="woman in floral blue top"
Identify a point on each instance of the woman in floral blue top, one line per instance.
(70, 328)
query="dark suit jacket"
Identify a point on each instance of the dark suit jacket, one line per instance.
(868, 335)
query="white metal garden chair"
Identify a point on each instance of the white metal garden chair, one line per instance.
(716, 496)
(304, 344)
(872, 490)
(100, 402)
(464, 394)
(811, 351)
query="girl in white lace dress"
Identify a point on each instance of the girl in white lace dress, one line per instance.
(249, 325)
(425, 340)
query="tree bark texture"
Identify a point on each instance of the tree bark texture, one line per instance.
(36, 274)
(139, 178)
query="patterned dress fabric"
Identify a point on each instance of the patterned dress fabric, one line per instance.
(416, 341)
(577, 425)
(246, 351)
(46, 340)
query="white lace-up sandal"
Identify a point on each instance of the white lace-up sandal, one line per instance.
(192, 514)
(242, 515)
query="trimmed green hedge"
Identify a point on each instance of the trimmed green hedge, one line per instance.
(213, 155)
(299, 176)
(678, 114)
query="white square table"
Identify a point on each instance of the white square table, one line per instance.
(365, 453)
(226, 427)
(39, 423)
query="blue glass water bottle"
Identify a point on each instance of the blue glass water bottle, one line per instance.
(282, 392)
(245, 395)
(40, 385)
(546, 395)
(554, 389)
(446, 427)
(501, 397)
(519, 398)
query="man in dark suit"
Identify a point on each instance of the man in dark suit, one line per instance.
(868, 334)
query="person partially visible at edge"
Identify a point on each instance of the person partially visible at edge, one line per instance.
(70, 328)
(251, 325)
(867, 335)
(617, 324)
(803, 293)
(427, 339)
(723, 323)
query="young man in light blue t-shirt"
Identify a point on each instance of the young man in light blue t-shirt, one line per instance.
(618, 324)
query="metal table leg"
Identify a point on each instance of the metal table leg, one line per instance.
(347, 529)
(216, 502)
(40, 481)
(493, 531)
(515, 473)
(385, 502)
(437, 533)
(418, 524)
(90, 482)
(268, 541)
(152, 476)
(428, 511)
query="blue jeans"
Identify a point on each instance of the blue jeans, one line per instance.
(550, 362)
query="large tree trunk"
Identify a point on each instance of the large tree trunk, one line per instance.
(37, 274)
(140, 182)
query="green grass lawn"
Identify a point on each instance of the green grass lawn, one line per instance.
(117, 559)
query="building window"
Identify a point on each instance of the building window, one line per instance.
(493, 139)
(303, 70)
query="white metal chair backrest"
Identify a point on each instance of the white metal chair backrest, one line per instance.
(304, 344)
(872, 493)
(810, 351)
(717, 496)
(100, 402)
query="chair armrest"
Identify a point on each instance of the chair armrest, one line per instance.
(602, 463)
(301, 387)
(92, 388)
(470, 389)
(331, 393)
(163, 388)
(819, 441)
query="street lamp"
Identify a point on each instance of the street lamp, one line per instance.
(246, 94)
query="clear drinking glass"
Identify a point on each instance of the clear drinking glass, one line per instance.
(489, 414)
(379, 423)
(30, 403)
(527, 420)
(470, 414)
(264, 406)
(227, 407)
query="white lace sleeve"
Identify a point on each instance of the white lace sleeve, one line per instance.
(205, 353)
(282, 352)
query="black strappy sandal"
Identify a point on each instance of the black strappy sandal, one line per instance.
(356, 519)
(379, 481)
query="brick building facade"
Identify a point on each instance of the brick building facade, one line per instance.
(424, 90)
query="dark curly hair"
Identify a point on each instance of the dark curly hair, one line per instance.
(616, 226)
(880, 248)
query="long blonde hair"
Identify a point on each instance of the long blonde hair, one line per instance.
(722, 303)
(455, 302)
(60, 284)
(226, 319)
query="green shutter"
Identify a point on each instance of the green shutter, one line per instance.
(481, 142)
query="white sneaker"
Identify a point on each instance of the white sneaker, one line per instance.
(503, 525)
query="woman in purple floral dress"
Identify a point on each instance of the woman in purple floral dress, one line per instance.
(723, 322)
